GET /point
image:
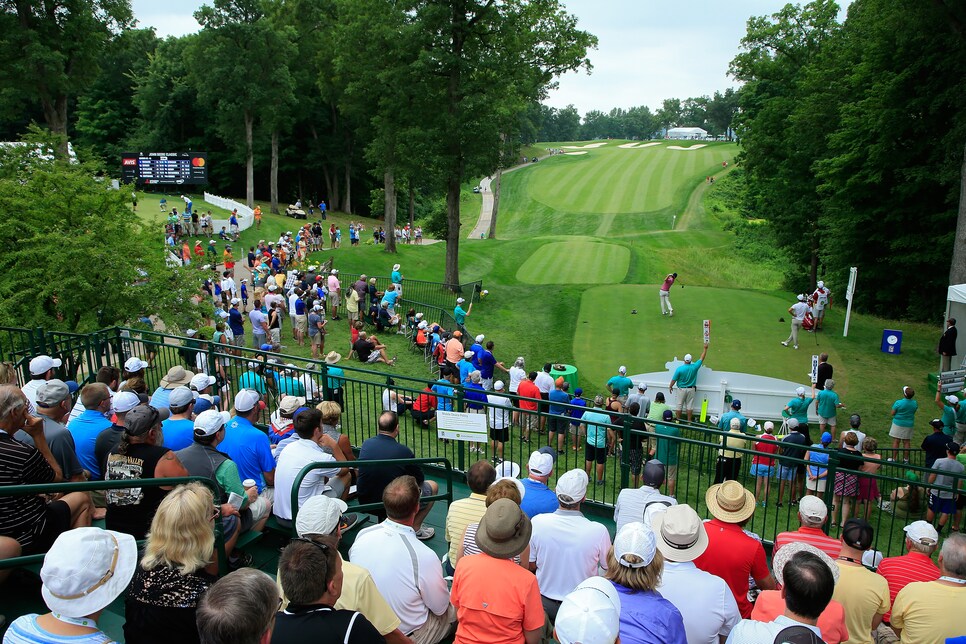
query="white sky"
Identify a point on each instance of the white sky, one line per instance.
(648, 50)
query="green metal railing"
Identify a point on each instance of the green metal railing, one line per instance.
(360, 392)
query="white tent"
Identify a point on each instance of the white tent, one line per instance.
(687, 133)
(956, 308)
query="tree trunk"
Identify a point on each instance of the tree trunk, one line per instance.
(274, 174)
(452, 276)
(412, 211)
(813, 269)
(347, 204)
(55, 114)
(332, 192)
(495, 190)
(249, 161)
(957, 268)
(389, 185)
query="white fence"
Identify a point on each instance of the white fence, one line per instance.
(245, 215)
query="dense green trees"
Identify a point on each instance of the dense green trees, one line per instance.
(853, 140)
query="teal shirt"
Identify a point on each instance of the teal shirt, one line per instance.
(460, 315)
(396, 277)
(251, 380)
(949, 420)
(596, 427)
(290, 387)
(667, 450)
(725, 421)
(687, 374)
(828, 401)
(336, 377)
(905, 409)
(620, 384)
(798, 409)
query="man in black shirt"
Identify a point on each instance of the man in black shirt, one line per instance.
(934, 445)
(947, 344)
(370, 351)
(793, 446)
(310, 570)
(373, 480)
(824, 371)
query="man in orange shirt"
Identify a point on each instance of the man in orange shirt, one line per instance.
(497, 600)
(258, 216)
(528, 406)
(454, 352)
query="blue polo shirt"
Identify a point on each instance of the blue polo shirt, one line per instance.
(336, 377)
(477, 350)
(178, 434)
(474, 395)
(443, 388)
(160, 397)
(620, 384)
(487, 363)
(391, 297)
(539, 499)
(459, 315)
(235, 321)
(249, 448)
(85, 429)
(251, 380)
(558, 396)
(466, 368)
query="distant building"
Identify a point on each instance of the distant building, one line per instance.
(695, 133)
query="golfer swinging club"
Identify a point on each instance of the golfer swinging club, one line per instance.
(666, 308)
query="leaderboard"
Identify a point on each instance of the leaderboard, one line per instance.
(165, 168)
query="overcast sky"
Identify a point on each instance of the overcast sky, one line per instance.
(648, 50)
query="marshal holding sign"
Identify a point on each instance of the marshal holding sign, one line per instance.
(461, 426)
(164, 168)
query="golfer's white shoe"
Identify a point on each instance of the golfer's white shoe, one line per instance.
(796, 346)
(784, 344)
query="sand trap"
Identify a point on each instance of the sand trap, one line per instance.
(638, 146)
(575, 154)
(693, 147)
(584, 147)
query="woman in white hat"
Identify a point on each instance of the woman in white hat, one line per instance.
(85, 570)
(634, 566)
(396, 278)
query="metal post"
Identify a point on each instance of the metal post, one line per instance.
(849, 292)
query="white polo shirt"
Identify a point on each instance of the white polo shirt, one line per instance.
(297, 455)
(544, 382)
(499, 413)
(706, 603)
(406, 571)
(632, 502)
(567, 548)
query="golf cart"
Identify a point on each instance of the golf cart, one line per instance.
(295, 212)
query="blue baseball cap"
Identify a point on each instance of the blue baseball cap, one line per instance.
(736, 404)
(826, 438)
(578, 391)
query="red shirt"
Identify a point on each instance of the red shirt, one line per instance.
(425, 401)
(905, 569)
(766, 445)
(813, 537)
(529, 389)
(733, 556)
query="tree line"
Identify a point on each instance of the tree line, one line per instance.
(712, 113)
(852, 139)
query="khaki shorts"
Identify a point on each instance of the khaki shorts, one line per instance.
(685, 397)
(301, 324)
(316, 339)
(901, 433)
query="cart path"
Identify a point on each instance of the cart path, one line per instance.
(486, 209)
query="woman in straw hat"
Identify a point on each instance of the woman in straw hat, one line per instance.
(634, 566)
(84, 571)
(497, 600)
(771, 603)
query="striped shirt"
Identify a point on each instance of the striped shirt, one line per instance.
(26, 630)
(469, 543)
(461, 514)
(905, 569)
(813, 537)
(22, 517)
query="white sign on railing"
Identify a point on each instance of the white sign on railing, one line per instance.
(461, 426)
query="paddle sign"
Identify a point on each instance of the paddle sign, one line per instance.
(814, 369)
(706, 328)
(704, 410)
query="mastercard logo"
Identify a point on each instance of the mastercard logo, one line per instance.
(198, 162)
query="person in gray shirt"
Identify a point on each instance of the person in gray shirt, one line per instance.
(53, 405)
(943, 502)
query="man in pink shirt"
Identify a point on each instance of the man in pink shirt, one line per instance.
(812, 513)
(334, 293)
(666, 308)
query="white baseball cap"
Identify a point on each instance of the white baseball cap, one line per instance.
(210, 421)
(319, 515)
(951, 399)
(800, 391)
(235, 300)
(135, 364)
(688, 357)
(460, 300)
(200, 381)
(635, 539)
(812, 507)
(498, 385)
(922, 532)
(540, 464)
(43, 364)
(246, 399)
(572, 486)
(622, 370)
(125, 401)
(480, 338)
(590, 614)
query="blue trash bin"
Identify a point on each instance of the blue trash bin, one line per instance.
(891, 341)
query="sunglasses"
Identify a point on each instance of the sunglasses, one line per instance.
(215, 513)
(324, 547)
